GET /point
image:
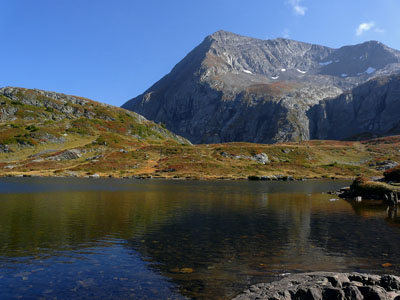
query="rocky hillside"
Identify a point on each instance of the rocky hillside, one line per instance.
(45, 117)
(48, 130)
(236, 88)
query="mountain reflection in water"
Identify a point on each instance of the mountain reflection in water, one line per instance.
(120, 239)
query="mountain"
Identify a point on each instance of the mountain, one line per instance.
(236, 88)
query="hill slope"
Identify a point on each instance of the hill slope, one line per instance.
(51, 134)
(54, 131)
(236, 88)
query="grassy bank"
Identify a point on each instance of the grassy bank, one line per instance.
(118, 156)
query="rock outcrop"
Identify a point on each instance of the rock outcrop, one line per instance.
(261, 158)
(236, 88)
(66, 155)
(326, 285)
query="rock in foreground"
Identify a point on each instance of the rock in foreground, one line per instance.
(326, 285)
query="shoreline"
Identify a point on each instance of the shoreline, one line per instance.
(280, 178)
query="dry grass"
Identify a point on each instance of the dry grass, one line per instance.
(121, 157)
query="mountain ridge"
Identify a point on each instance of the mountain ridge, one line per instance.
(235, 88)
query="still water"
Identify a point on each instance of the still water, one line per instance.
(154, 239)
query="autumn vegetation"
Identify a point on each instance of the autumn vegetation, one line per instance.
(114, 142)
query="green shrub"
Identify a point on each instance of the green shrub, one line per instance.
(81, 131)
(392, 174)
(101, 141)
(24, 141)
(32, 128)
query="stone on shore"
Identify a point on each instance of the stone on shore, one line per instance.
(326, 285)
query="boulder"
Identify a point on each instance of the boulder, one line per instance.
(326, 285)
(386, 165)
(94, 176)
(261, 158)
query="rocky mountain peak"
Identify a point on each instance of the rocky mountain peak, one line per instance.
(285, 59)
(223, 35)
(237, 88)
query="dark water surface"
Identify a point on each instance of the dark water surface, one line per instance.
(126, 239)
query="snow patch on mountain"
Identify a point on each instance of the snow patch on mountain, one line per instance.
(370, 70)
(325, 63)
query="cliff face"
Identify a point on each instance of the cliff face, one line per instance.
(372, 108)
(235, 88)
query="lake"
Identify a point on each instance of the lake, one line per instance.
(159, 239)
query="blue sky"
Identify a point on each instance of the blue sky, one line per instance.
(113, 50)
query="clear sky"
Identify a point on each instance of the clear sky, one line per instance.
(113, 50)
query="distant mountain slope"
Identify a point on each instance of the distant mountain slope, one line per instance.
(366, 111)
(236, 88)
